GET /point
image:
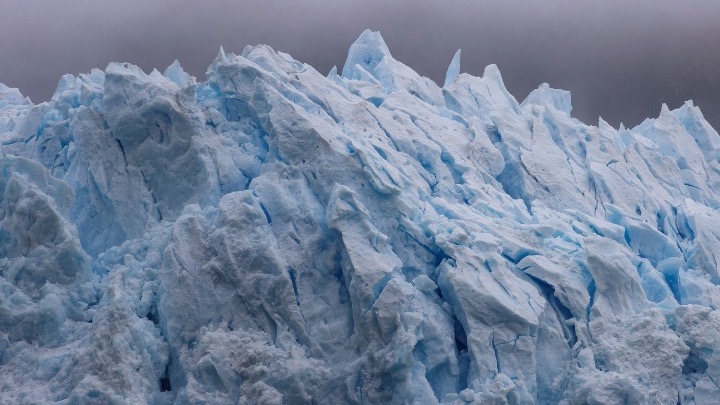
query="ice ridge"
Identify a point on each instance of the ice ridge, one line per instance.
(272, 235)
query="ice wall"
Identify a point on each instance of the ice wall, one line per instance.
(276, 236)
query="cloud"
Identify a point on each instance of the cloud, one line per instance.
(620, 60)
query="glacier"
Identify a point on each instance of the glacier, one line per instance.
(274, 235)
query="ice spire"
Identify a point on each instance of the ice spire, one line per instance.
(176, 73)
(367, 51)
(453, 70)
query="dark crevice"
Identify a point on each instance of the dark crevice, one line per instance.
(267, 214)
(440, 294)
(525, 168)
(593, 188)
(562, 312)
(380, 152)
(455, 172)
(339, 274)
(511, 178)
(494, 134)
(601, 363)
(164, 381)
(660, 222)
(460, 337)
(463, 356)
(379, 287)
(628, 238)
(165, 384)
(293, 280)
(517, 256)
(672, 279)
(410, 273)
(152, 316)
(497, 355)
(684, 229)
(122, 150)
(512, 183)
(461, 347)
(440, 257)
(693, 364)
(588, 310)
(152, 195)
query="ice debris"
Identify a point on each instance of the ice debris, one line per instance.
(271, 235)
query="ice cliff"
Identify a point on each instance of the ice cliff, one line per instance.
(273, 235)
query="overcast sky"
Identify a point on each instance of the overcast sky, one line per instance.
(620, 60)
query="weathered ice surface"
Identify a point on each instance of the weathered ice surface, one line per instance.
(273, 235)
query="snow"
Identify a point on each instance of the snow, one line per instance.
(274, 235)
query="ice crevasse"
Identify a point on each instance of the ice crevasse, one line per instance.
(273, 235)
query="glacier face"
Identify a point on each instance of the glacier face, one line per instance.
(273, 235)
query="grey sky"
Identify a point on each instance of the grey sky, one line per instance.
(620, 61)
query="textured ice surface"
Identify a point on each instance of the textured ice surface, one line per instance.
(276, 236)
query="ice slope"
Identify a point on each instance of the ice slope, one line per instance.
(275, 236)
